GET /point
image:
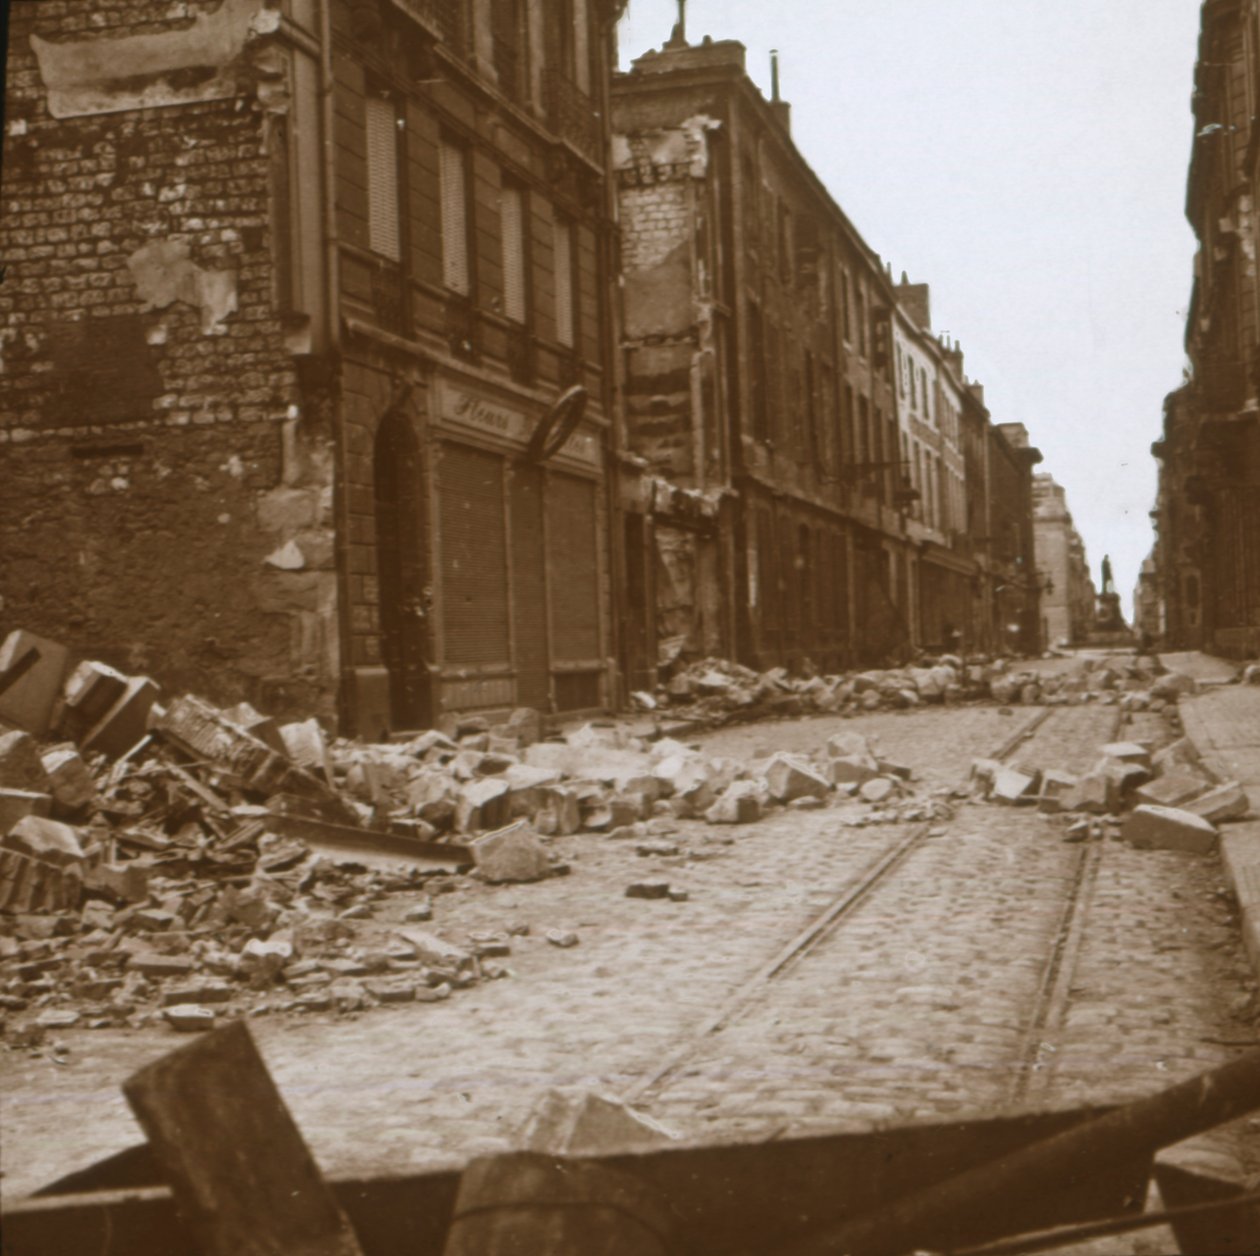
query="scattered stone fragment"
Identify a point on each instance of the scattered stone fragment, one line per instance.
(740, 803)
(1168, 828)
(878, 790)
(1013, 786)
(1174, 789)
(563, 938)
(189, 1018)
(511, 854)
(789, 777)
(648, 889)
(1225, 802)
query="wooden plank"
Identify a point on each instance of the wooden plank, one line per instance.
(238, 1167)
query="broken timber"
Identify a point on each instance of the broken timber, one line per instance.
(237, 1164)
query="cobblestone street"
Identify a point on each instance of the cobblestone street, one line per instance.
(946, 988)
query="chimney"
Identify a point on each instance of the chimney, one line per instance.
(915, 299)
(782, 110)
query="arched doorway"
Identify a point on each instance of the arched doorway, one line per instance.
(400, 571)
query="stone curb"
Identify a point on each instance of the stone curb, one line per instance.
(1240, 842)
(1240, 859)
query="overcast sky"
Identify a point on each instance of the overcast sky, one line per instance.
(1028, 160)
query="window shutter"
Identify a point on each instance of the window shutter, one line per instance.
(511, 213)
(382, 163)
(572, 533)
(564, 283)
(454, 219)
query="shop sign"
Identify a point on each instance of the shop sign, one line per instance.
(461, 408)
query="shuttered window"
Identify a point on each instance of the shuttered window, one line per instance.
(474, 557)
(574, 572)
(512, 223)
(382, 166)
(454, 179)
(564, 282)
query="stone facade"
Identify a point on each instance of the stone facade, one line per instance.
(1206, 560)
(1068, 596)
(776, 375)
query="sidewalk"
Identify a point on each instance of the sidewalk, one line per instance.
(1224, 725)
(1205, 668)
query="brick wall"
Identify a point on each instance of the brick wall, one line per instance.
(155, 446)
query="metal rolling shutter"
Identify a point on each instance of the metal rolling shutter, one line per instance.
(529, 588)
(474, 557)
(573, 567)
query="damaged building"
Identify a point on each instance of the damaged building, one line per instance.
(307, 351)
(774, 372)
(1205, 582)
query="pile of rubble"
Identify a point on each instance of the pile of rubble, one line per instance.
(715, 691)
(171, 859)
(1163, 800)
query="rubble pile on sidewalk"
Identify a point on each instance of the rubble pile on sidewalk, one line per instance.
(715, 691)
(1162, 799)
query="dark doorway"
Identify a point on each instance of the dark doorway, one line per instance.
(400, 571)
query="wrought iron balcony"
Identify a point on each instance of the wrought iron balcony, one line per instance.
(571, 115)
(446, 17)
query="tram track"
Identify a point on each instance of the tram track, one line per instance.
(858, 890)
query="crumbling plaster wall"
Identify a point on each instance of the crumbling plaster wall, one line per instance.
(668, 309)
(167, 500)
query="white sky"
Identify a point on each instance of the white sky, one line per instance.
(1027, 158)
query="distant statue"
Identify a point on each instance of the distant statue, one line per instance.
(1108, 585)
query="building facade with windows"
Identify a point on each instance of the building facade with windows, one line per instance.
(295, 288)
(1068, 597)
(758, 375)
(1207, 515)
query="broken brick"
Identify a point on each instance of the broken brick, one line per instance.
(511, 854)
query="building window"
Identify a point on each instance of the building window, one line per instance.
(565, 314)
(384, 219)
(846, 308)
(454, 180)
(785, 243)
(861, 321)
(512, 225)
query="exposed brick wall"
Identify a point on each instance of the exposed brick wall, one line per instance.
(154, 445)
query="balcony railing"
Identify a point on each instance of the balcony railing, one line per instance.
(571, 115)
(444, 16)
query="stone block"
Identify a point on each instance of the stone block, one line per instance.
(848, 745)
(17, 804)
(435, 952)
(48, 840)
(1172, 790)
(307, 746)
(126, 722)
(877, 791)
(482, 804)
(1095, 793)
(510, 855)
(28, 703)
(740, 803)
(1225, 802)
(852, 769)
(788, 778)
(1055, 786)
(71, 782)
(20, 764)
(1128, 752)
(1168, 828)
(90, 690)
(1012, 786)
(264, 727)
